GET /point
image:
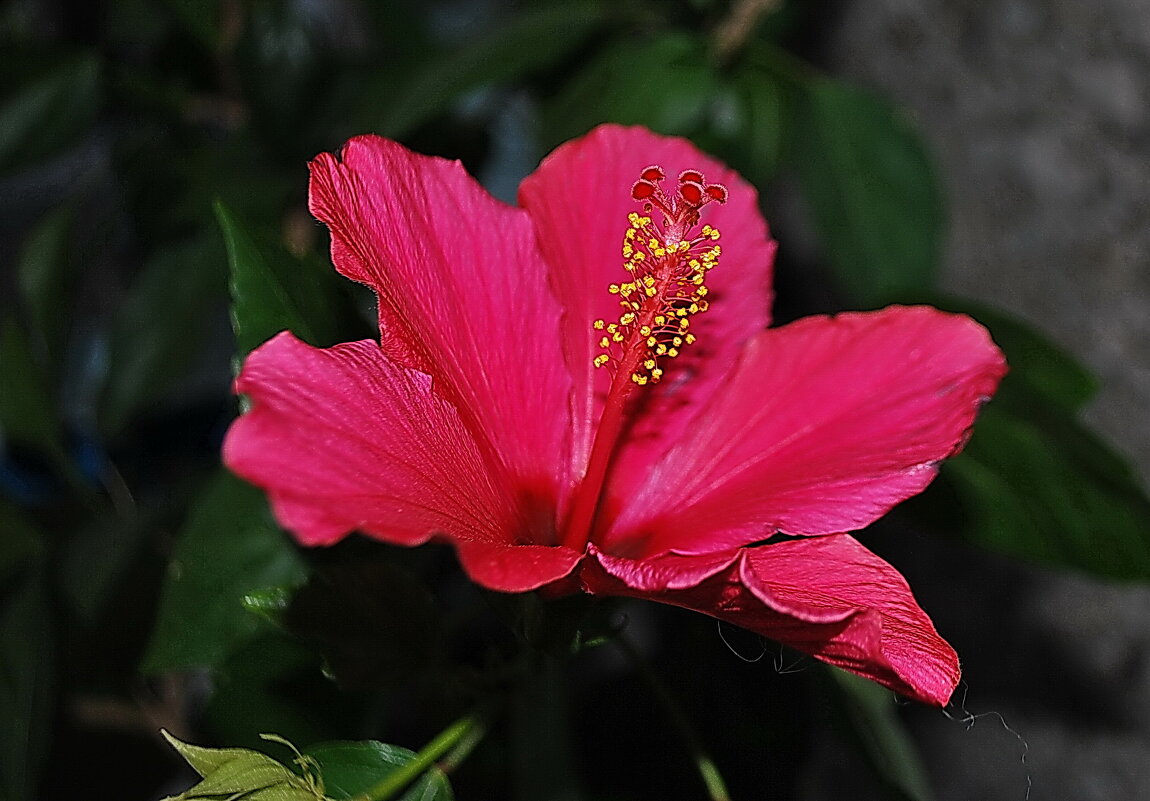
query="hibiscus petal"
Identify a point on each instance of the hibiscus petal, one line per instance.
(824, 426)
(825, 596)
(515, 568)
(343, 439)
(579, 199)
(463, 293)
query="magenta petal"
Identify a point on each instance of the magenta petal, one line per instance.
(826, 596)
(343, 439)
(824, 426)
(463, 293)
(579, 199)
(515, 568)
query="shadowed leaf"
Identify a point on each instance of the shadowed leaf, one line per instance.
(871, 191)
(228, 547)
(351, 768)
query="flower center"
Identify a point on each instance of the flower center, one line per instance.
(668, 272)
(667, 263)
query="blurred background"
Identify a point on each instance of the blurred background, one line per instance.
(987, 157)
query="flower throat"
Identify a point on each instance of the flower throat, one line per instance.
(667, 262)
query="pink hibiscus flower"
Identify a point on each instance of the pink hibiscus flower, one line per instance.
(581, 394)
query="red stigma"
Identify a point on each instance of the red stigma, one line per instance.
(692, 192)
(654, 173)
(643, 189)
(681, 207)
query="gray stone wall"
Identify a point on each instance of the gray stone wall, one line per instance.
(1039, 115)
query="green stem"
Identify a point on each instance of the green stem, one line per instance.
(463, 748)
(443, 742)
(708, 771)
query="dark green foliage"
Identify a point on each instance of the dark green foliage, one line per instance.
(228, 547)
(154, 161)
(871, 190)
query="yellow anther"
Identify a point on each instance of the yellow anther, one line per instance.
(671, 287)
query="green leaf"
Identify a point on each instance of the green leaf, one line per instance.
(1034, 482)
(243, 773)
(274, 682)
(761, 137)
(1041, 373)
(871, 190)
(273, 291)
(527, 42)
(228, 547)
(26, 684)
(871, 719)
(664, 83)
(27, 413)
(159, 329)
(43, 274)
(349, 769)
(1037, 484)
(45, 114)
